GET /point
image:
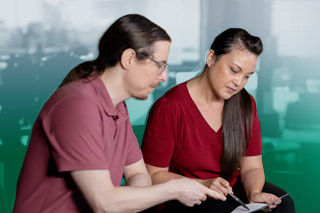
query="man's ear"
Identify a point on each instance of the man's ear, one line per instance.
(211, 58)
(128, 58)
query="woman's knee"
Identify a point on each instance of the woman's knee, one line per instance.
(287, 204)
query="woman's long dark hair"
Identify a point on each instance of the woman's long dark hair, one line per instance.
(130, 31)
(237, 113)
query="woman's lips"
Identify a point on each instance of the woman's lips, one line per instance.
(231, 90)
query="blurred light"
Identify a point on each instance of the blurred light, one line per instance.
(282, 96)
(313, 85)
(5, 57)
(21, 121)
(3, 65)
(253, 82)
(285, 77)
(26, 127)
(90, 56)
(24, 140)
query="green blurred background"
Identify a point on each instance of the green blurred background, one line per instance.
(41, 40)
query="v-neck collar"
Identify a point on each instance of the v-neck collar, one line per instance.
(195, 109)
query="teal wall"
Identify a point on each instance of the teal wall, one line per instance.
(37, 50)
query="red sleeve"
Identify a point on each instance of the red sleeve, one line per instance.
(255, 145)
(74, 130)
(161, 133)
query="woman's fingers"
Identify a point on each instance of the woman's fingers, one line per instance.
(221, 185)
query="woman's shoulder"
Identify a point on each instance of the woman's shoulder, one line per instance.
(173, 99)
(176, 93)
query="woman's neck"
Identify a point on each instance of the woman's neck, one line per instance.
(201, 90)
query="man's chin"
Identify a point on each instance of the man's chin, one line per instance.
(142, 97)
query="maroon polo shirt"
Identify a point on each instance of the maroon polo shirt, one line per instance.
(78, 128)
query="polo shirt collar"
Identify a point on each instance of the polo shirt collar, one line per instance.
(103, 94)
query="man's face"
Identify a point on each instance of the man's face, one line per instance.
(148, 74)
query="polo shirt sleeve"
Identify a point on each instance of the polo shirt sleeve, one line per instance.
(255, 144)
(133, 150)
(74, 130)
(161, 133)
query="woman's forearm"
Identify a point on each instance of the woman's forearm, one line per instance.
(164, 176)
(253, 181)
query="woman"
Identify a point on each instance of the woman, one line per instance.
(207, 129)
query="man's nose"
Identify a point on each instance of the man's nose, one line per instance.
(163, 76)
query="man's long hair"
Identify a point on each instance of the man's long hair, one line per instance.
(130, 31)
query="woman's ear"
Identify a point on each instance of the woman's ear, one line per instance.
(127, 58)
(211, 58)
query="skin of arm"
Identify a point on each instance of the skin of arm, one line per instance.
(102, 196)
(253, 179)
(160, 175)
(137, 175)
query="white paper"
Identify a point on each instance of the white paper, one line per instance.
(255, 206)
(252, 206)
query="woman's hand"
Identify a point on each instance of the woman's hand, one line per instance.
(261, 197)
(218, 184)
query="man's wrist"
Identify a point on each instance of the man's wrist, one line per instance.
(172, 189)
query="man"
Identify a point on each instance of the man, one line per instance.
(82, 142)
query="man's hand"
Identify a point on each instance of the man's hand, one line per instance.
(190, 192)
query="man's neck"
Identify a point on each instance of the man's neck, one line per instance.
(113, 81)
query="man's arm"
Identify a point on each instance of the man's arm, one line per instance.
(136, 175)
(162, 174)
(102, 196)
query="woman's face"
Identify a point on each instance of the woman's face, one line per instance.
(228, 75)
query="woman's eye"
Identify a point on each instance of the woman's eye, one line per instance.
(234, 71)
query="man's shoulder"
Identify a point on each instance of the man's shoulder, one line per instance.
(70, 96)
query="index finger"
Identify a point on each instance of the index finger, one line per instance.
(215, 194)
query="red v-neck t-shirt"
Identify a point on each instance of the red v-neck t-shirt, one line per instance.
(177, 136)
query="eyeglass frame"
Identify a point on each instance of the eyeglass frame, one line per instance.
(162, 65)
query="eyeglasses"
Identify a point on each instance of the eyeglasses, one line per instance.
(162, 65)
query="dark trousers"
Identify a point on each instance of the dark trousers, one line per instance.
(217, 206)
